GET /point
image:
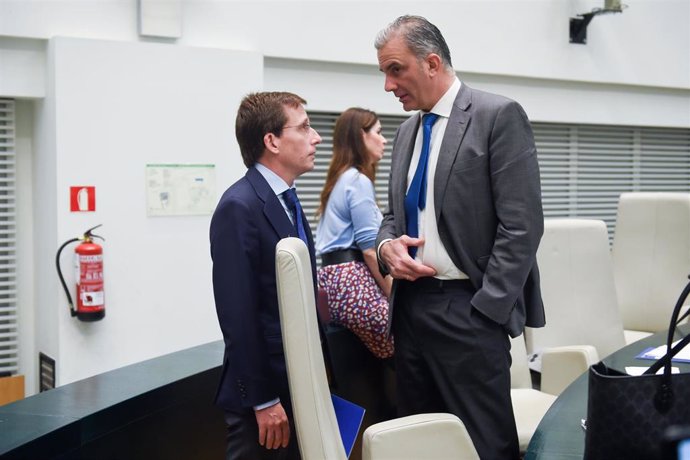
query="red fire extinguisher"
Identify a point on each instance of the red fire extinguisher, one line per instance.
(88, 271)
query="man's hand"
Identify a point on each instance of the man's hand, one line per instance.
(395, 255)
(274, 429)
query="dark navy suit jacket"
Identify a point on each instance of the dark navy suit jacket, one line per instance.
(246, 226)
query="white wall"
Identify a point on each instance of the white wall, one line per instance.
(106, 102)
(634, 70)
(509, 37)
(335, 87)
(116, 107)
(22, 66)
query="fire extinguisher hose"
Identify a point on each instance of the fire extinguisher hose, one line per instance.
(73, 312)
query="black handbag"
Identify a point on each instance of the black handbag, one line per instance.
(627, 415)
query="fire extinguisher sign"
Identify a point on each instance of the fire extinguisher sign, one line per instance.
(82, 198)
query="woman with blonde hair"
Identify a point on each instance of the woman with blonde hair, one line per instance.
(346, 234)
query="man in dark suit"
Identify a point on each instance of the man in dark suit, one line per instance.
(277, 145)
(460, 236)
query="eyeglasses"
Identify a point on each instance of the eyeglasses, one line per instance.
(304, 127)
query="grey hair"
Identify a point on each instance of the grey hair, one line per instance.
(421, 37)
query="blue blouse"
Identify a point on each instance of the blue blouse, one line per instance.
(352, 217)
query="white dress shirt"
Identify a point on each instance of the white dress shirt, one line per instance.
(432, 253)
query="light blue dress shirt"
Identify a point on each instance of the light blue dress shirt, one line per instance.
(352, 217)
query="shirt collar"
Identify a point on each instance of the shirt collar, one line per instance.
(444, 105)
(277, 184)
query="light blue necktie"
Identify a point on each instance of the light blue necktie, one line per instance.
(416, 195)
(293, 204)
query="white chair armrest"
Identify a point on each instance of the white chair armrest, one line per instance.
(423, 436)
(529, 407)
(560, 366)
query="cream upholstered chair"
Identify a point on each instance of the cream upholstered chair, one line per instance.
(582, 318)
(422, 436)
(651, 258)
(529, 405)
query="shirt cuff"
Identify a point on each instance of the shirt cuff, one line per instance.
(270, 403)
(378, 248)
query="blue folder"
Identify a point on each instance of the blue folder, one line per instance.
(648, 353)
(349, 416)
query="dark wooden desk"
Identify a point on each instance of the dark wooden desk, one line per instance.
(160, 408)
(560, 436)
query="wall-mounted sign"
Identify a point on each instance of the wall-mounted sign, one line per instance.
(82, 198)
(180, 189)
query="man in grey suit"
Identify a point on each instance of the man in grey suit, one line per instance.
(460, 236)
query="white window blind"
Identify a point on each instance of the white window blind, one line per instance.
(8, 261)
(309, 185)
(584, 168)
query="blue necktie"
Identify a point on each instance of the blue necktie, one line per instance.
(416, 195)
(293, 204)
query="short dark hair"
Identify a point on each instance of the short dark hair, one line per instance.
(421, 37)
(259, 114)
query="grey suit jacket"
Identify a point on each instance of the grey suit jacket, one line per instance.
(487, 197)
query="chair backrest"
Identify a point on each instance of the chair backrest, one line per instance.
(315, 421)
(651, 257)
(419, 437)
(577, 288)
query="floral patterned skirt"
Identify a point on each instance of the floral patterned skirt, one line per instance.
(356, 302)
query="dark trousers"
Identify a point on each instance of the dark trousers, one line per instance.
(243, 440)
(451, 358)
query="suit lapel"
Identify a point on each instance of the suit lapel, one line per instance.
(450, 146)
(275, 213)
(404, 146)
(273, 209)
